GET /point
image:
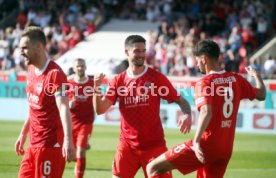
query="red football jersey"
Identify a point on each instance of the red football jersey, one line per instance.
(45, 124)
(223, 91)
(83, 112)
(139, 103)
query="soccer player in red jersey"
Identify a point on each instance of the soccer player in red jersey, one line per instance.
(139, 90)
(218, 96)
(81, 107)
(49, 120)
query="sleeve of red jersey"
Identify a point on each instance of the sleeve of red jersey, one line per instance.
(248, 91)
(167, 92)
(70, 89)
(56, 81)
(201, 95)
(111, 92)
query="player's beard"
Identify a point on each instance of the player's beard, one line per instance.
(201, 68)
(139, 63)
(201, 71)
(27, 61)
(81, 74)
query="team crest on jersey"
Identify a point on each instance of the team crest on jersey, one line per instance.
(148, 84)
(38, 88)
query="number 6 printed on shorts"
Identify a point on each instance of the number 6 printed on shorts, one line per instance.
(47, 168)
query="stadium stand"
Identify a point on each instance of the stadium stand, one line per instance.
(240, 27)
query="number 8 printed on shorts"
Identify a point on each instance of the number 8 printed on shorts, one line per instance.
(228, 104)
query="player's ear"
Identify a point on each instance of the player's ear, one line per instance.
(39, 46)
(204, 59)
(126, 52)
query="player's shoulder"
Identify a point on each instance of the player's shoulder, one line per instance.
(154, 74)
(153, 71)
(207, 79)
(70, 78)
(90, 81)
(54, 68)
(236, 75)
(120, 76)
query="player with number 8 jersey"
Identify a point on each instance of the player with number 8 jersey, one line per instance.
(228, 89)
(217, 98)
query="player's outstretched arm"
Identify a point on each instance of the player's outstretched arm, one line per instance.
(68, 150)
(205, 116)
(259, 82)
(19, 144)
(185, 122)
(100, 103)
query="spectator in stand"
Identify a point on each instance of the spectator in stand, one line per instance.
(270, 66)
(74, 37)
(257, 65)
(246, 23)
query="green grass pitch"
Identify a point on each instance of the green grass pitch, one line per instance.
(254, 155)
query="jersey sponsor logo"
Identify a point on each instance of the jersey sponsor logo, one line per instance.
(39, 87)
(148, 84)
(32, 98)
(130, 100)
(57, 145)
(263, 121)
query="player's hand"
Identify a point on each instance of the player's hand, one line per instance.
(198, 152)
(19, 145)
(72, 103)
(251, 71)
(98, 79)
(68, 150)
(185, 123)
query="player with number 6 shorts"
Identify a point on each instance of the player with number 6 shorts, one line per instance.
(49, 121)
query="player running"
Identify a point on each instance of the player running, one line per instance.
(81, 107)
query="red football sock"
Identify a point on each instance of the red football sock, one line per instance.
(80, 167)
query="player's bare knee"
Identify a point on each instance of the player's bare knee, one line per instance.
(151, 170)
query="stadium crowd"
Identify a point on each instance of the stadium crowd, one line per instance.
(239, 27)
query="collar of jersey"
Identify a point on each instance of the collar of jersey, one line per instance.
(139, 75)
(39, 72)
(80, 82)
(217, 72)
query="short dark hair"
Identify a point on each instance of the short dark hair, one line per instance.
(35, 34)
(208, 48)
(134, 39)
(79, 59)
